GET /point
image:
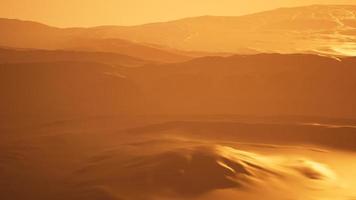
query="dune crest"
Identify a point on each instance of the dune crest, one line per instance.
(196, 170)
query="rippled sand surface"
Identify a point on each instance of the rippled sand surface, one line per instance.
(176, 160)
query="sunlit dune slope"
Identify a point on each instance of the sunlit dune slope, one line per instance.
(81, 159)
(197, 170)
(195, 160)
(96, 158)
(291, 133)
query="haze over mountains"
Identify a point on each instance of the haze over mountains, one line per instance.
(286, 30)
(196, 109)
(327, 29)
(20, 34)
(265, 84)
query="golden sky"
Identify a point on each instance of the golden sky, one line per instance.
(67, 13)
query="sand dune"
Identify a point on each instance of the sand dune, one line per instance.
(264, 84)
(184, 164)
(255, 85)
(258, 133)
(198, 170)
(99, 159)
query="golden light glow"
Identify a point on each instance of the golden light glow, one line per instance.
(67, 13)
(204, 103)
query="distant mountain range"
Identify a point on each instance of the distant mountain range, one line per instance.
(24, 34)
(10, 55)
(182, 68)
(323, 29)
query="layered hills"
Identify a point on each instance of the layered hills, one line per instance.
(259, 85)
(320, 29)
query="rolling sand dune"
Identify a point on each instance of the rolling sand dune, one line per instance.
(292, 134)
(255, 85)
(264, 84)
(187, 163)
(193, 172)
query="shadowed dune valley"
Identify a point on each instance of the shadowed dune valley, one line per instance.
(173, 100)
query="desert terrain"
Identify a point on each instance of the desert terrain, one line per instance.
(169, 111)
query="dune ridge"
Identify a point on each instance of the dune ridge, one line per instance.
(195, 170)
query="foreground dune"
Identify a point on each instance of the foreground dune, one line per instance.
(175, 160)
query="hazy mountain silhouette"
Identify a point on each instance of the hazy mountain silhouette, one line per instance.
(26, 34)
(264, 84)
(327, 29)
(8, 55)
(142, 51)
(65, 90)
(320, 28)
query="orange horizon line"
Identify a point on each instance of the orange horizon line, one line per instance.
(173, 20)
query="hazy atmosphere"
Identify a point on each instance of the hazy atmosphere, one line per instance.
(69, 13)
(177, 100)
